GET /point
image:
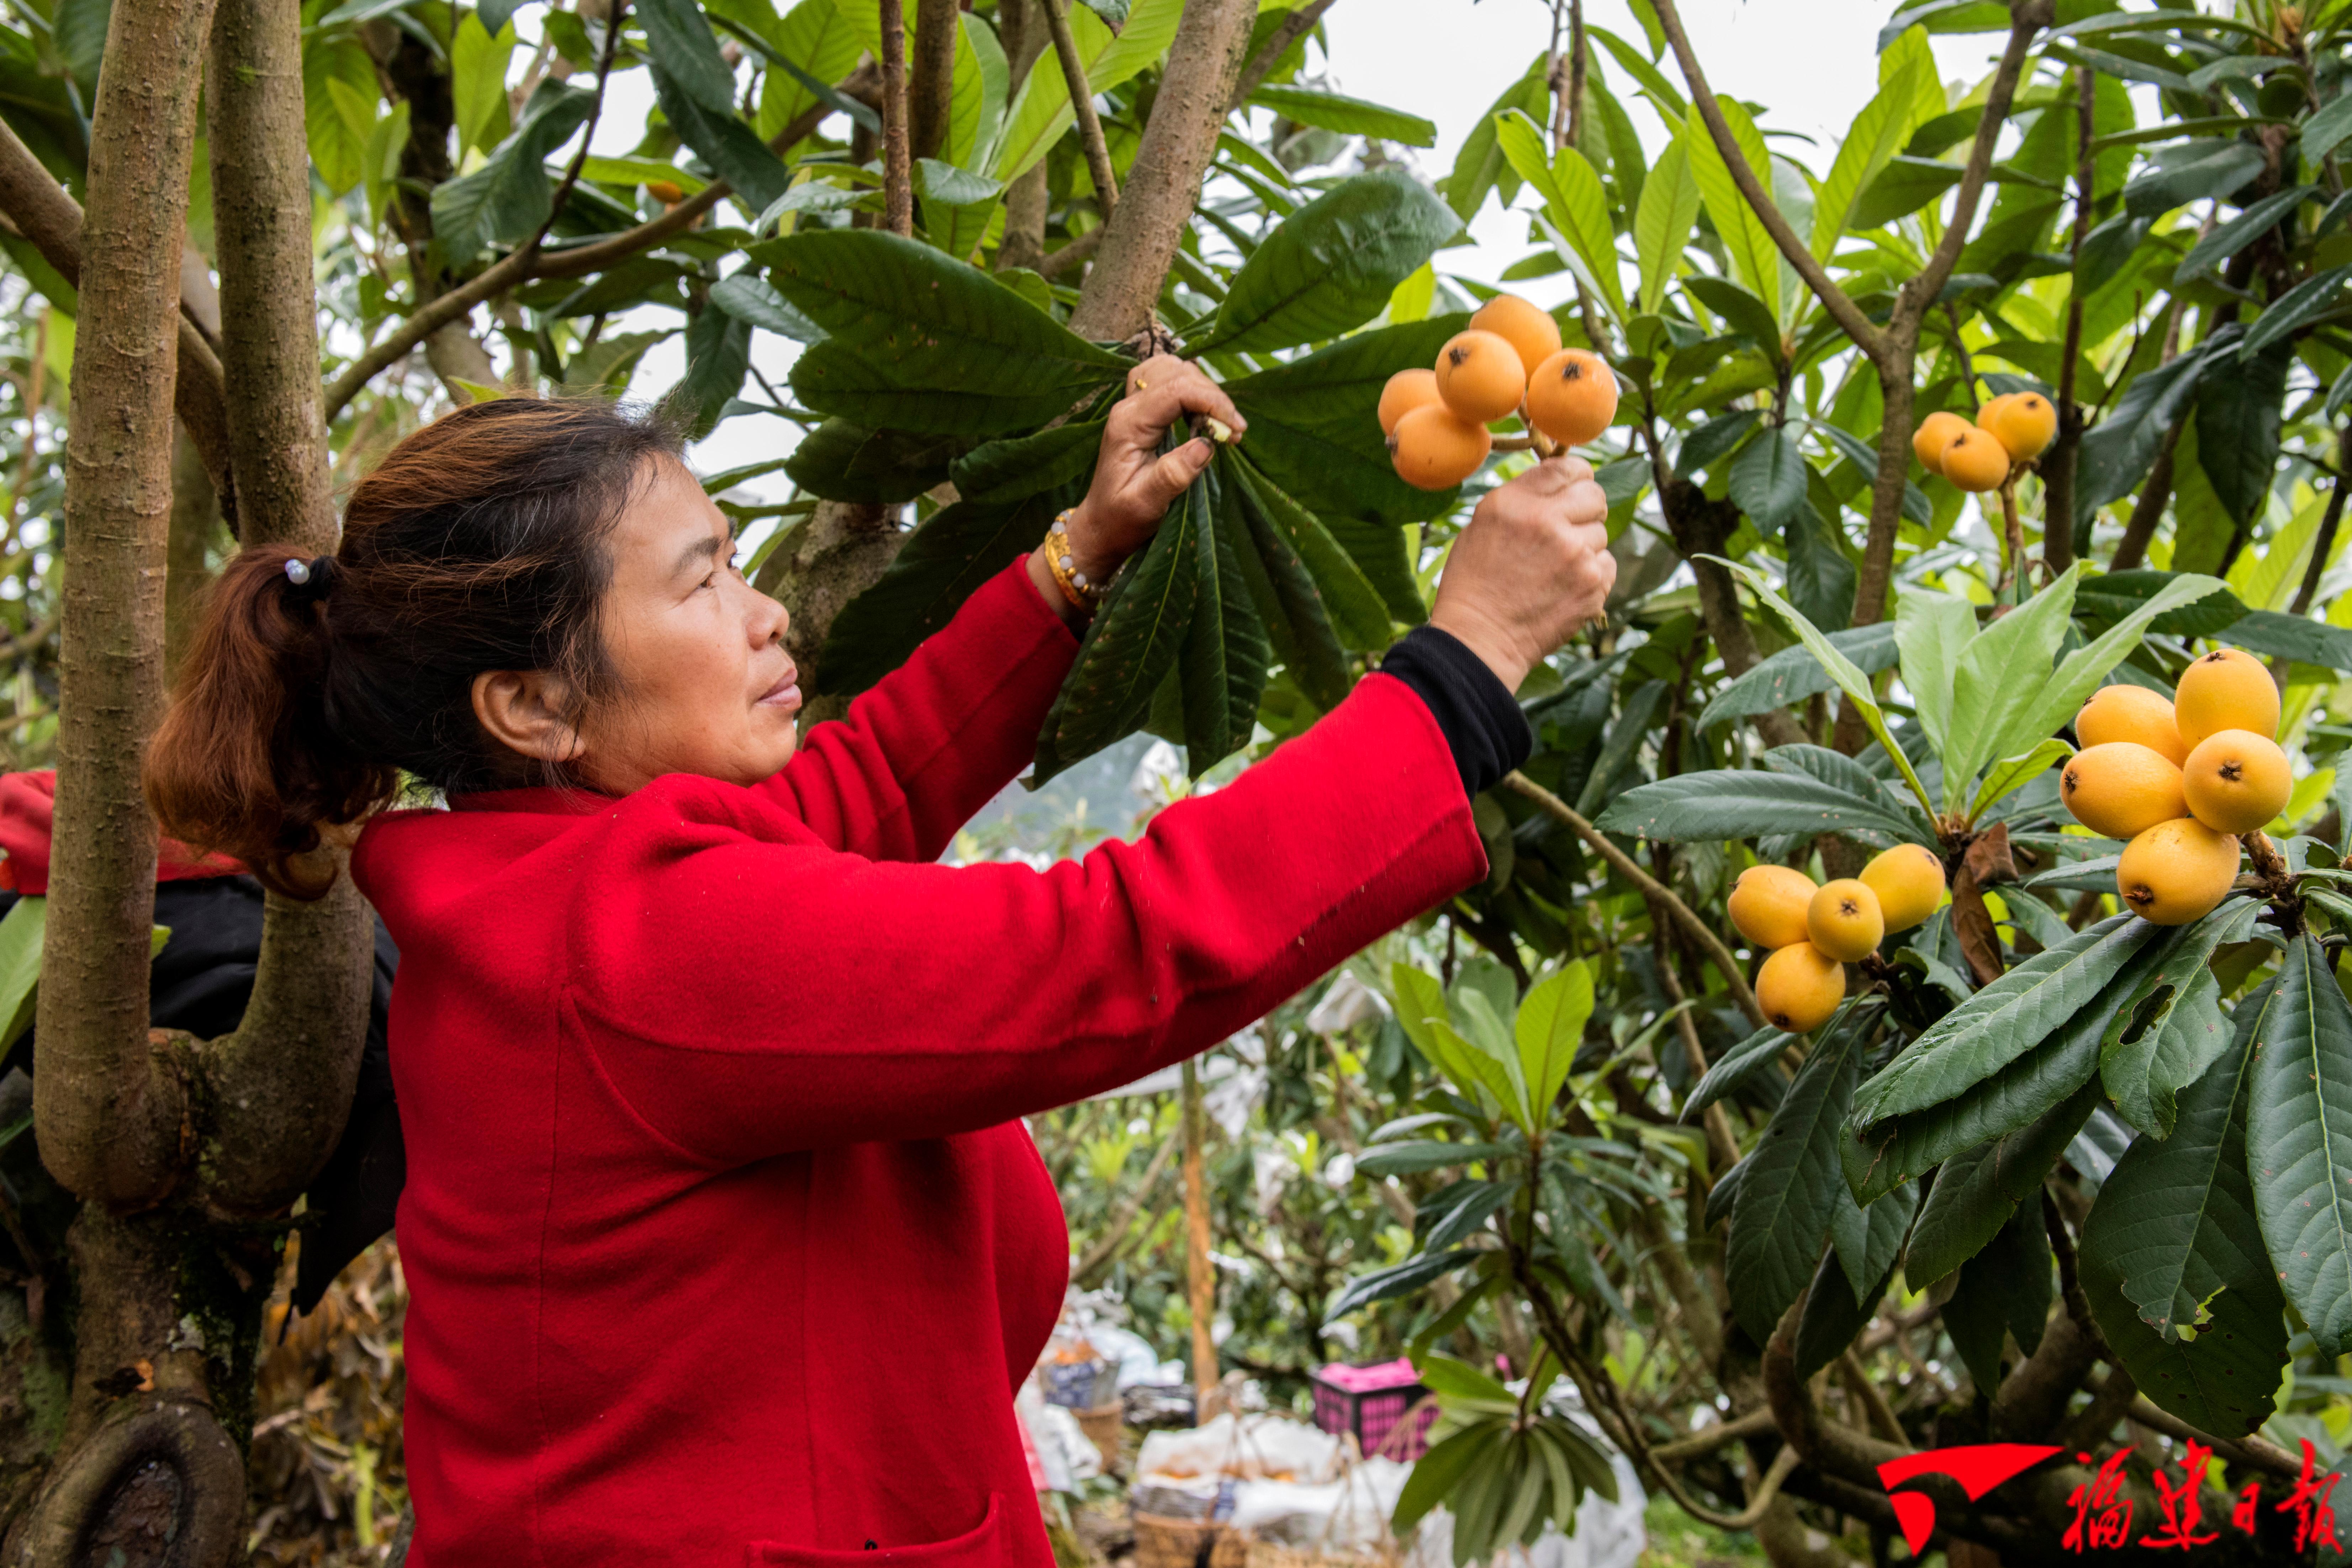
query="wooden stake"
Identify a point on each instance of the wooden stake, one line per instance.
(1201, 1282)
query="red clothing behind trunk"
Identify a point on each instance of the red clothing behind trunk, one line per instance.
(724, 1245)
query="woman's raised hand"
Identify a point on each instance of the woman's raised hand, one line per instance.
(1135, 483)
(1532, 567)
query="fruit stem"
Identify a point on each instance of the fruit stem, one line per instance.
(1514, 442)
(1544, 445)
(2013, 537)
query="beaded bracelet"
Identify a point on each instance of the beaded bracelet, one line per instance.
(1081, 593)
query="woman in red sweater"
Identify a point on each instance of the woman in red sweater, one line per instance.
(724, 1243)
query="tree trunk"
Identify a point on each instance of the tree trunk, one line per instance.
(1204, 64)
(933, 66)
(195, 528)
(1028, 199)
(281, 1086)
(146, 1468)
(110, 1108)
(261, 221)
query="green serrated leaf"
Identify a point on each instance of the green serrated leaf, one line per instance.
(1977, 1189)
(2000, 679)
(1767, 478)
(2299, 1147)
(2012, 774)
(2144, 1060)
(1331, 265)
(1548, 1029)
(2171, 1241)
(1222, 664)
(1743, 803)
(1792, 674)
(1128, 648)
(1290, 601)
(1876, 136)
(1662, 223)
(1783, 1211)
(2003, 1021)
(1754, 257)
(509, 197)
(918, 341)
(1348, 116)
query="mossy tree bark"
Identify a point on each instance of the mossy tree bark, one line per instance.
(185, 1154)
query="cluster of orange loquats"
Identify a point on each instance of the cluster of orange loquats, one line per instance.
(1508, 363)
(1815, 931)
(2180, 782)
(2010, 430)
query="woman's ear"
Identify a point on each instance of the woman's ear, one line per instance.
(524, 710)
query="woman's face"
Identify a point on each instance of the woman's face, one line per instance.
(703, 683)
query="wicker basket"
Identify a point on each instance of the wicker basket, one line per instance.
(1274, 1554)
(1188, 1543)
(1104, 1426)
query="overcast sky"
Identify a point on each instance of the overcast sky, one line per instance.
(1813, 63)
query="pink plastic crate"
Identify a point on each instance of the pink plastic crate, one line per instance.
(1385, 1407)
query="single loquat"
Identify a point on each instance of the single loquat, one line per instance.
(1767, 905)
(2122, 788)
(2176, 871)
(1480, 377)
(2024, 422)
(1909, 882)
(1844, 921)
(1406, 391)
(2131, 713)
(664, 192)
(1435, 450)
(1799, 987)
(1572, 396)
(2237, 781)
(2227, 689)
(1529, 331)
(1974, 461)
(1935, 434)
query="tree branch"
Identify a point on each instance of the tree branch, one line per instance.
(1163, 183)
(897, 162)
(1864, 332)
(1056, 262)
(523, 264)
(1082, 103)
(932, 67)
(1917, 296)
(2254, 1451)
(48, 216)
(261, 222)
(1293, 28)
(1651, 887)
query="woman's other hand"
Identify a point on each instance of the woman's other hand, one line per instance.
(1532, 567)
(1135, 483)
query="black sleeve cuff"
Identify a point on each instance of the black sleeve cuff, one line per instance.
(1483, 724)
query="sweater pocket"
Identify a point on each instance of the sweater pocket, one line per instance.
(982, 1546)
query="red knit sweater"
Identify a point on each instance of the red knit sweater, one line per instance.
(723, 1242)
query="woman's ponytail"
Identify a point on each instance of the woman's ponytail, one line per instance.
(246, 761)
(309, 696)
